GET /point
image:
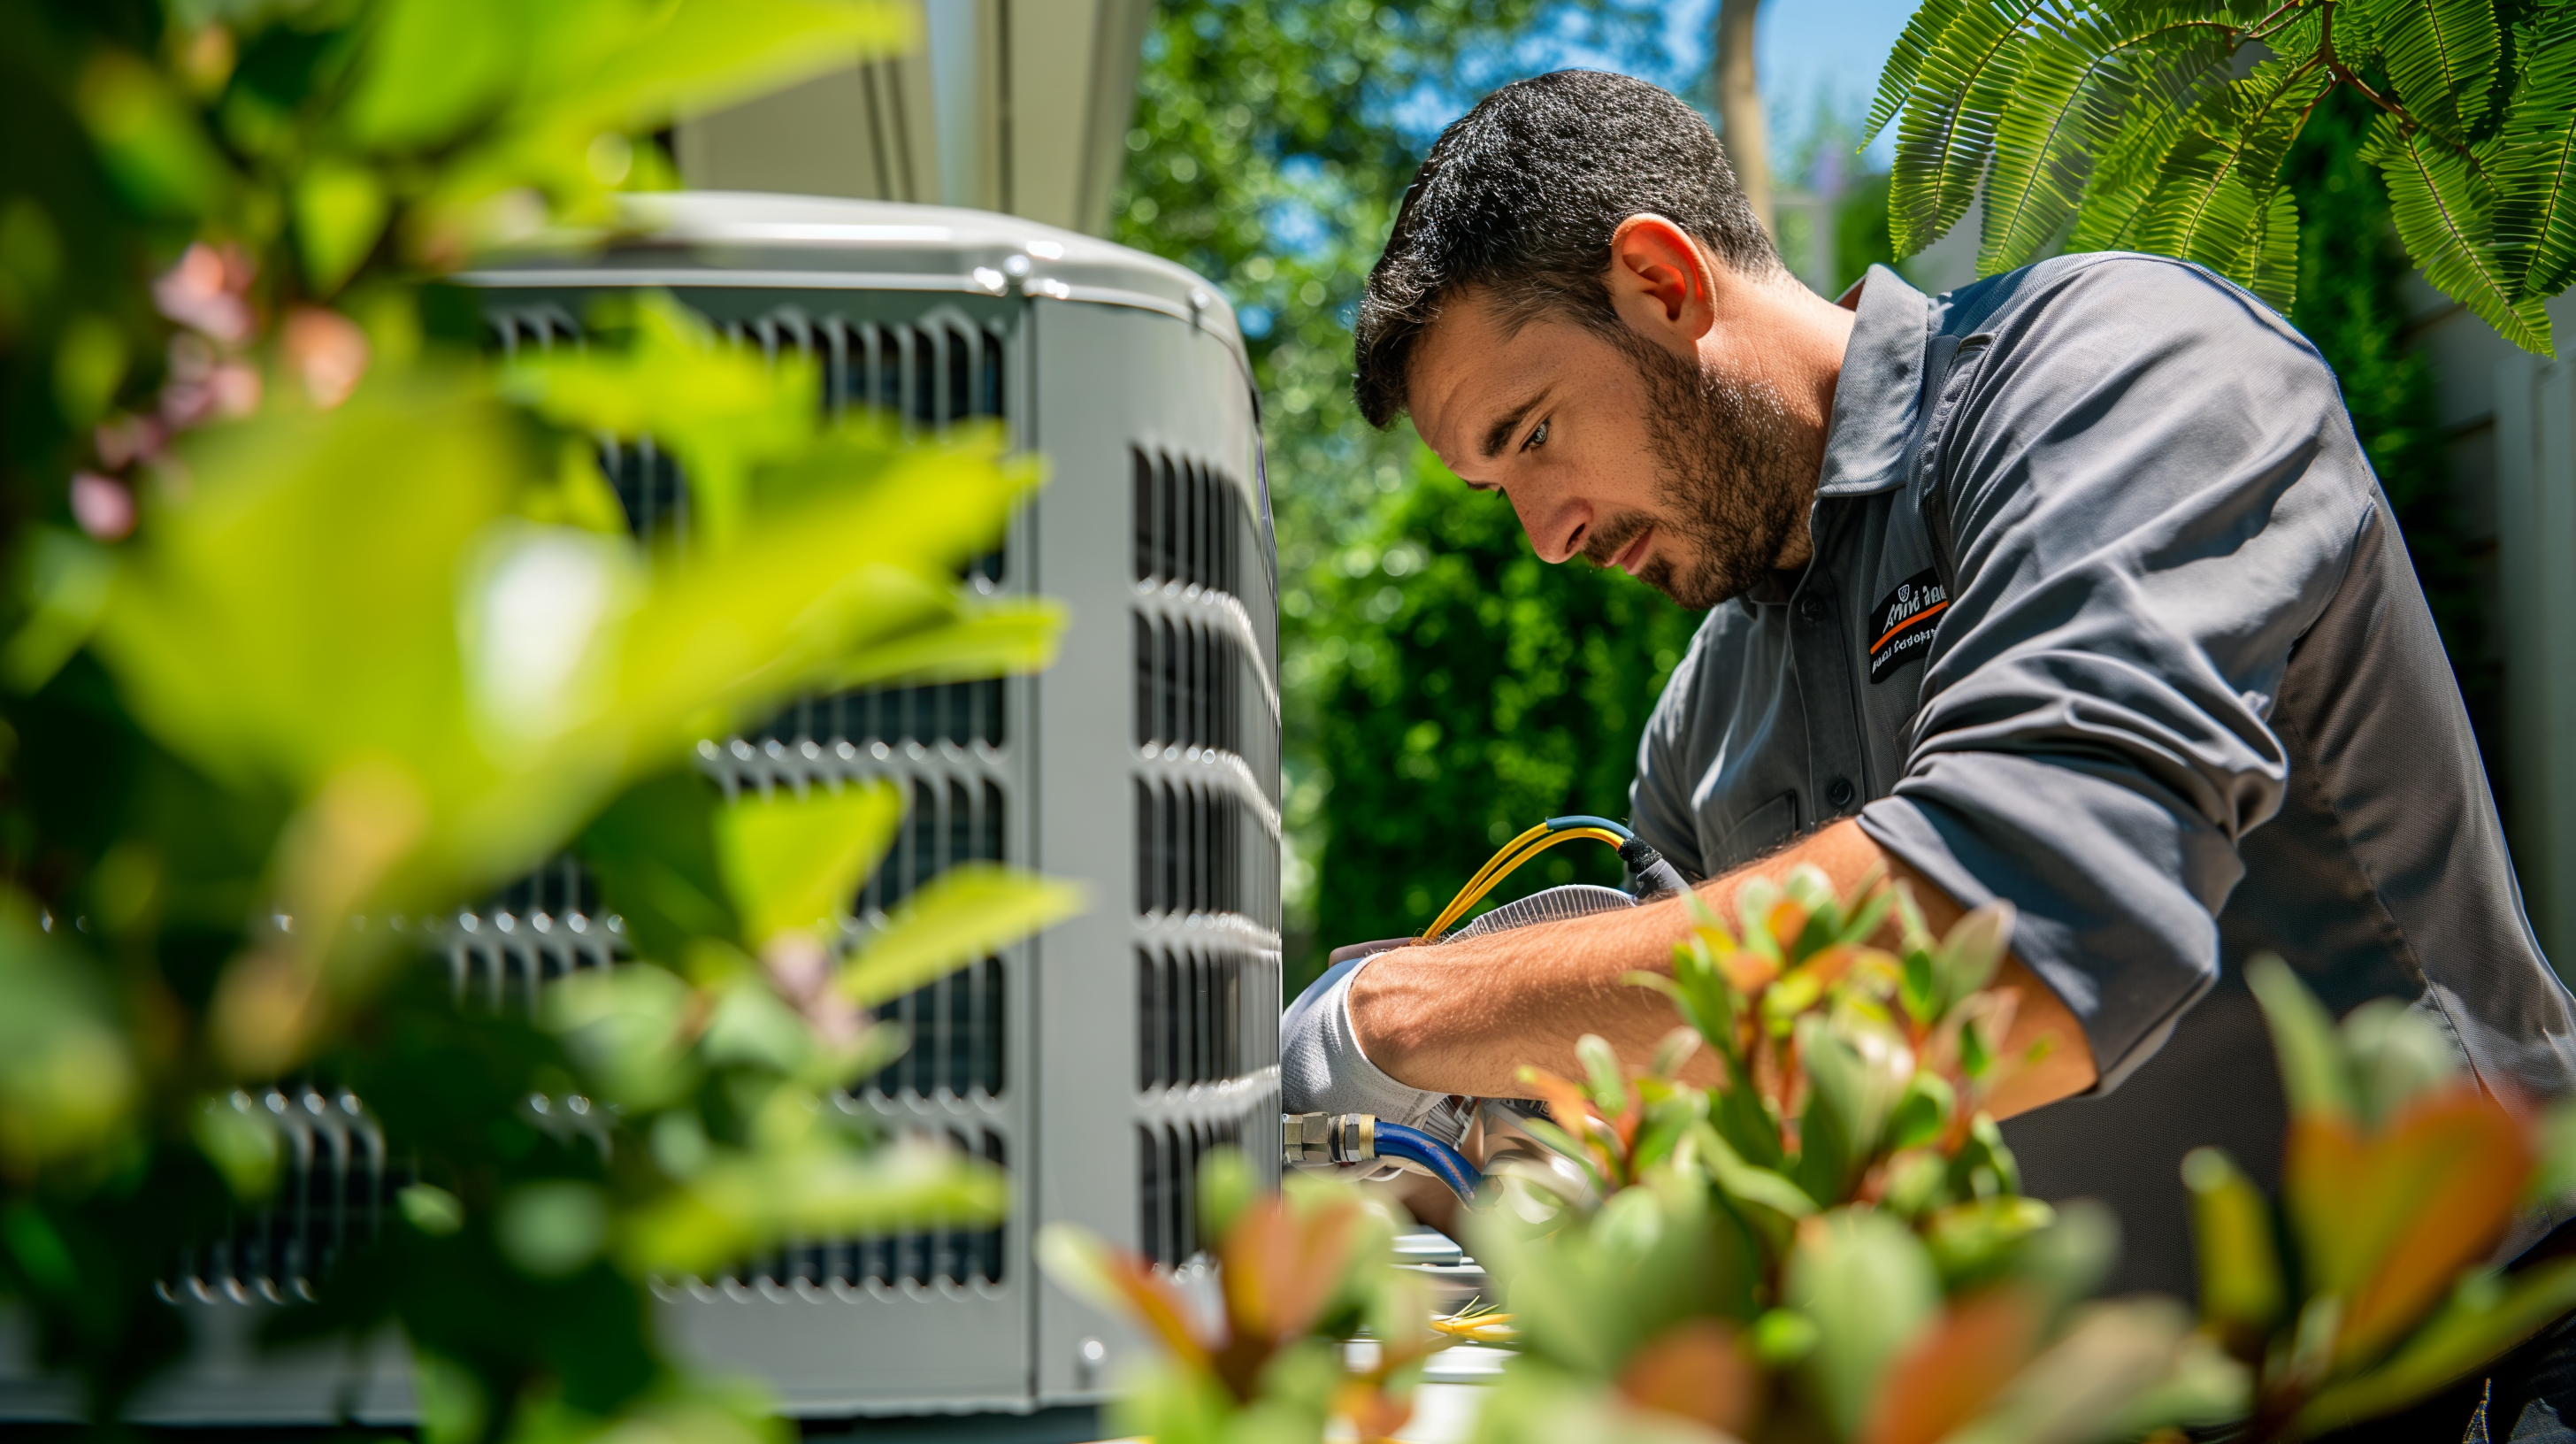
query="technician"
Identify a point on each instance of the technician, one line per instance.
(2071, 587)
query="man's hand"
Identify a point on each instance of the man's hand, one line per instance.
(1464, 1017)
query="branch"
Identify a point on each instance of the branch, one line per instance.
(2344, 73)
(2264, 28)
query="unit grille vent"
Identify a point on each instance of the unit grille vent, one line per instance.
(956, 1027)
(1189, 848)
(330, 1198)
(950, 1256)
(1189, 686)
(1205, 1014)
(1168, 1184)
(879, 718)
(545, 925)
(926, 374)
(1189, 523)
(948, 823)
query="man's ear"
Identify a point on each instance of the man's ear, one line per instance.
(1662, 282)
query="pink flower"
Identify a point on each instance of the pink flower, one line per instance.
(102, 506)
(328, 350)
(206, 290)
(126, 438)
(203, 386)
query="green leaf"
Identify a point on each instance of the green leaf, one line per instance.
(794, 862)
(1744, 1181)
(1922, 1112)
(1947, 130)
(2084, 75)
(2394, 1053)
(2313, 1072)
(68, 1075)
(431, 1209)
(1601, 1073)
(148, 138)
(2535, 218)
(743, 1202)
(1967, 958)
(2214, 199)
(2455, 1342)
(988, 639)
(2274, 252)
(2442, 58)
(1971, 1242)
(1870, 1287)
(242, 1143)
(2446, 216)
(654, 853)
(1905, 64)
(2116, 1358)
(630, 1029)
(551, 1229)
(965, 913)
(67, 579)
(431, 67)
(2241, 1288)
(1593, 1291)
(722, 410)
(340, 210)
(698, 55)
(1830, 1146)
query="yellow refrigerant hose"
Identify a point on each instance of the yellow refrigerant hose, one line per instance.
(1653, 873)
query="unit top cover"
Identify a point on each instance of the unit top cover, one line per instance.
(746, 238)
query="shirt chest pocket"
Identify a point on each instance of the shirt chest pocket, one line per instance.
(1758, 831)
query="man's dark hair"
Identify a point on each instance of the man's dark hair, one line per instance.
(1522, 195)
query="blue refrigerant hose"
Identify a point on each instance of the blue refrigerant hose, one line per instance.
(1447, 1164)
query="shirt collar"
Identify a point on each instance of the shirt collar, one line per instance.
(1880, 387)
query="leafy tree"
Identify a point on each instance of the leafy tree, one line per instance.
(2156, 127)
(1272, 142)
(1468, 690)
(321, 624)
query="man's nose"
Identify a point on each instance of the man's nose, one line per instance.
(1556, 525)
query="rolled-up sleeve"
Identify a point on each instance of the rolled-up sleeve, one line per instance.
(2155, 492)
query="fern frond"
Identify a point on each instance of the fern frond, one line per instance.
(2354, 39)
(2272, 261)
(2080, 81)
(1922, 32)
(2126, 171)
(2442, 57)
(1948, 126)
(2445, 217)
(2535, 226)
(2217, 186)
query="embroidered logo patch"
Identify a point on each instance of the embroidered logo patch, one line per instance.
(1902, 623)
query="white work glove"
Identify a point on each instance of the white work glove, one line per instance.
(1321, 1067)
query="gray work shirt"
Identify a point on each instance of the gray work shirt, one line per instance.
(2173, 691)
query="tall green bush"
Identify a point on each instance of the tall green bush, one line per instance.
(1467, 690)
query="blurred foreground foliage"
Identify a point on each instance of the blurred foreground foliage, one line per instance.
(1827, 1241)
(322, 625)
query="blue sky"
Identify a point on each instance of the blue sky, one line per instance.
(1808, 49)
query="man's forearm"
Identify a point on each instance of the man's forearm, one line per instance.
(1463, 1017)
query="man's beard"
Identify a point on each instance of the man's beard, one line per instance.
(1735, 475)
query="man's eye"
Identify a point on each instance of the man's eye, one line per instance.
(1537, 438)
